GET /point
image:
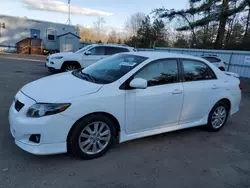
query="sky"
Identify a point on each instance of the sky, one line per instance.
(85, 12)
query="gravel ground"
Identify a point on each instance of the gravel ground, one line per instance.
(186, 158)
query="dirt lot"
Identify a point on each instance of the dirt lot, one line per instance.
(187, 158)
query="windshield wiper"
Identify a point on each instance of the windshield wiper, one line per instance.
(89, 76)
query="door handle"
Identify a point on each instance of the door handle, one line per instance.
(215, 87)
(177, 91)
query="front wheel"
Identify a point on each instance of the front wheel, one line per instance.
(70, 66)
(92, 137)
(217, 117)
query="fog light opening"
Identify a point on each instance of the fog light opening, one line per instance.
(35, 138)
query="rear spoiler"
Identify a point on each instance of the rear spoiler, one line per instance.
(232, 74)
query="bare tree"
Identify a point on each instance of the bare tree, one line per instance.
(133, 23)
(86, 34)
(112, 37)
(98, 25)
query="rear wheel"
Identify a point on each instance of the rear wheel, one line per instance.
(217, 117)
(92, 137)
(70, 66)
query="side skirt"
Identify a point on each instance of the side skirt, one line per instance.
(126, 137)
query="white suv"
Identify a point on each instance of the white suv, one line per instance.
(215, 61)
(84, 57)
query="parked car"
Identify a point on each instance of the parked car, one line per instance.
(122, 97)
(68, 61)
(216, 61)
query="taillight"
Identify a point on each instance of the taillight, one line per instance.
(240, 86)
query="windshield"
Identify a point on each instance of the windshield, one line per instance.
(110, 69)
(83, 49)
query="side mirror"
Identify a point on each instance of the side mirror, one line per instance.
(87, 53)
(138, 83)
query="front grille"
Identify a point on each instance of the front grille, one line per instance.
(18, 105)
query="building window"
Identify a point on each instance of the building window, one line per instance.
(51, 35)
(35, 33)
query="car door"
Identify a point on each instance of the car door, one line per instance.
(159, 105)
(201, 89)
(95, 54)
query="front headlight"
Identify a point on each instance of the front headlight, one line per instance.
(46, 109)
(59, 57)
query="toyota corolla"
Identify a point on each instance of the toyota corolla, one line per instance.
(120, 98)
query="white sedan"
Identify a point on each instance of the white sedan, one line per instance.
(120, 98)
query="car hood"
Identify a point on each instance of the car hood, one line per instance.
(60, 54)
(58, 87)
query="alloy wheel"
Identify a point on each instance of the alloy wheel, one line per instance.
(70, 68)
(219, 117)
(94, 138)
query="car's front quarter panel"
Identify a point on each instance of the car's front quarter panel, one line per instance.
(58, 63)
(73, 57)
(109, 99)
(54, 63)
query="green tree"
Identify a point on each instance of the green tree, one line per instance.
(181, 41)
(206, 11)
(145, 33)
(247, 20)
(149, 34)
(159, 33)
(236, 37)
(132, 41)
(205, 36)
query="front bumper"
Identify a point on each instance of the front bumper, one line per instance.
(50, 68)
(53, 130)
(44, 149)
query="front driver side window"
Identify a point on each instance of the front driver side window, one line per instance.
(97, 51)
(160, 72)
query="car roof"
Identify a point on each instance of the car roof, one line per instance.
(112, 45)
(162, 55)
(208, 56)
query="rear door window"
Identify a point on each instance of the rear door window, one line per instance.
(97, 50)
(114, 50)
(195, 70)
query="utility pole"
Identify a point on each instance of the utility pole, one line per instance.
(2, 25)
(69, 14)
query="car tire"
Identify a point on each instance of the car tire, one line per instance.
(70, 66)
(217, 117)
(86, 141)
